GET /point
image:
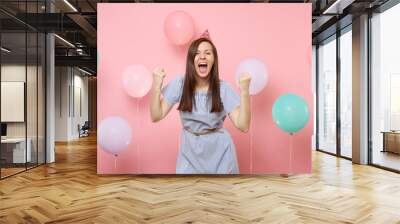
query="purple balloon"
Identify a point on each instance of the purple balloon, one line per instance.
(258, 72)
(114, 134)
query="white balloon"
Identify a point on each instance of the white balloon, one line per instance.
(114, 134)
(258, 72)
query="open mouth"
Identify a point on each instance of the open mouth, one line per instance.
(202, 67)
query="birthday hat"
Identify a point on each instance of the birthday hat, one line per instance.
(206, 35)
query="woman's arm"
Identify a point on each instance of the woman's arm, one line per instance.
(241, 116)
(158, 107)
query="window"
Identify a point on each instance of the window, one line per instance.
(22, 77)
(385, 88)
(346, 93)
(327, 96)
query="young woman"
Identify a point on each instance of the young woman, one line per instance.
(204, 100)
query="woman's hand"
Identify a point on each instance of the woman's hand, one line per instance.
(158, 107)
(158, 77)
(244, 82)
(241, 115)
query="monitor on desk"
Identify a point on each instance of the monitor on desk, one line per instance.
(3, 130)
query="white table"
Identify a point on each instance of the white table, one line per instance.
(19, 149)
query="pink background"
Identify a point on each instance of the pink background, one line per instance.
(278, 34)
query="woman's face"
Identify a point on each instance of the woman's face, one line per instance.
(204, 59)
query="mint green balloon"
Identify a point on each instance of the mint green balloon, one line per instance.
(290, 113)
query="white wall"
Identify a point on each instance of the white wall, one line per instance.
(10, 73)
(12, 101)
(62, 81)
(81, 100)
(71, 93)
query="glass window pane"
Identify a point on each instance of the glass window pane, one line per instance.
(346, 94)
(22, 87)
(385, 89)
(31, 100)
(41, 98)
(14, 153)
(327, 96)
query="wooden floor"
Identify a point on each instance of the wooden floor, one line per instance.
(70, 191)
(5, 172)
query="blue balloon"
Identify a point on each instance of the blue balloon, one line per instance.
(290, 113)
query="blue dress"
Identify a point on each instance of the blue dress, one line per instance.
(212, 153)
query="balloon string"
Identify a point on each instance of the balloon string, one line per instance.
(290, 151)
(251, 144)
(115, 161)
(137, 142)
(251, 148)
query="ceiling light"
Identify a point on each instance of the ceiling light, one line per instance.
(64, 40)
(70, 5)
(84, 71)
(329, 9)
(338, 6)
(5, 50)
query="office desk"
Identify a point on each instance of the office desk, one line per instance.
(391, 141)
(16, 147)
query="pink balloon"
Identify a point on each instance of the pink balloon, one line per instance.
(258, 72)
(179, 27)
(114, 134)
(136, 80)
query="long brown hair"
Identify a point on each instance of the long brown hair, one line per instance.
(187, 99)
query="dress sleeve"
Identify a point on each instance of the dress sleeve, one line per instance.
(172, 92)
(230, 99)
